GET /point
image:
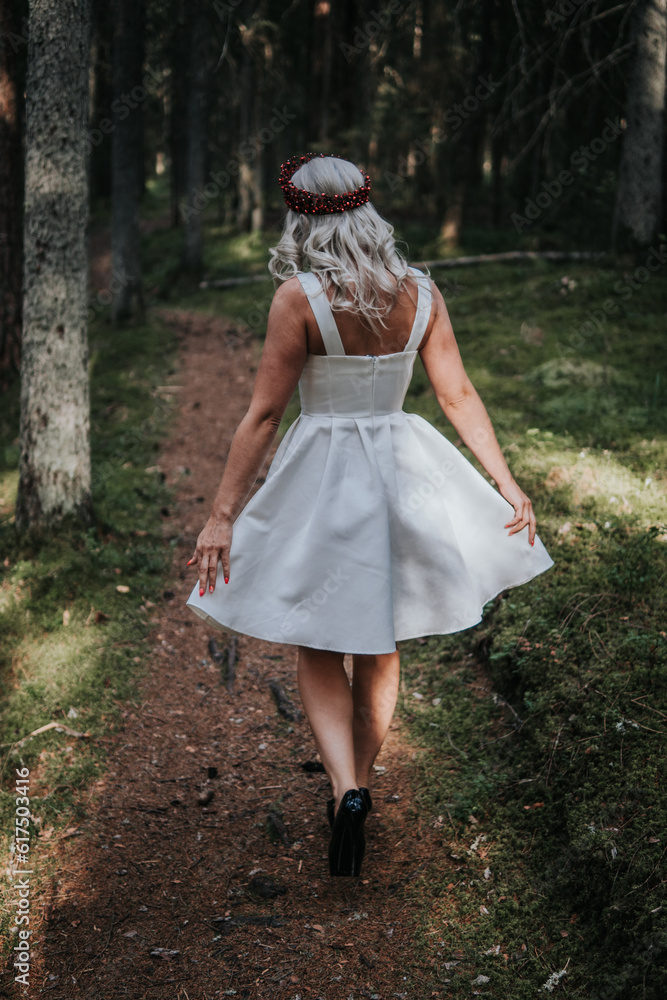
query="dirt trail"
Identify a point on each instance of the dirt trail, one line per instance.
(156, 897)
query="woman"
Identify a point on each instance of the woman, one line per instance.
(371, 527)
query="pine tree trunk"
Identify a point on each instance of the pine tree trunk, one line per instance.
(177, 113)
(11, 183)
(325, 26)
(497, 156)
(126, 173)
(469, 157)
(101, 96)
(639, 192)
(245, 184)
(450, 231)
(196, 140)
(54, 467)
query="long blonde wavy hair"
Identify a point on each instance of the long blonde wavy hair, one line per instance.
(353, 247)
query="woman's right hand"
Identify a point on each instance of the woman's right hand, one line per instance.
(213, 544)
(523, 510)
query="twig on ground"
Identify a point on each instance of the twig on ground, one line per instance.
(276, 821)
(283, 703)
(218, 657)
(485, 258)
(231, 660)
(52, 725)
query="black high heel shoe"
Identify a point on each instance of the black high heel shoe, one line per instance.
(347, 844)
(331, 804)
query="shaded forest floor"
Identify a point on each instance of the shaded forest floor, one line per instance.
(159, 892)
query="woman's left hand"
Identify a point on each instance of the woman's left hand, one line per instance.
(213, 543)
(523, 510)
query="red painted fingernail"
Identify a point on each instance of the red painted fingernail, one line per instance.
(226, 579)
(210, 588)
(533, 542)
(201, 591)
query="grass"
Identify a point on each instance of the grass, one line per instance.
(546, 727)
(543, 771)
(71, 644)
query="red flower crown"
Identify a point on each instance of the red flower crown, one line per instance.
(315, 202)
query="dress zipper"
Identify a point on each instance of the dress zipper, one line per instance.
(375, 358)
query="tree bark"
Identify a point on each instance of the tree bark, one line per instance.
(249, 213)
(126, 154)
(54, 465)
(11, 194)
(177, 111)
(497, 163)
(325, 25)
(450, 231)
(196, 139)
(468, 148)
(638, 205)
(101, 96)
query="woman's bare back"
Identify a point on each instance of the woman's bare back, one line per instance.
(355, 333)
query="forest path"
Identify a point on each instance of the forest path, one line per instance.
(154, 869)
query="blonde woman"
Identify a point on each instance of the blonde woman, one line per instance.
(371, 526)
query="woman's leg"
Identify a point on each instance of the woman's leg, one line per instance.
(327, 699)
(374, 692)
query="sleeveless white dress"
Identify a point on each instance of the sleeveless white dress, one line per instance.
(371, 527)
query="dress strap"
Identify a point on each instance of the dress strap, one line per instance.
(322, 312)
(423, 311)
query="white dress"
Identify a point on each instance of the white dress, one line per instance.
(371, 527)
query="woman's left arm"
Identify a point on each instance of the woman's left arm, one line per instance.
(283, 357)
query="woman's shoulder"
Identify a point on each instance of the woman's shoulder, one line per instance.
(290, 285)
(289, 292)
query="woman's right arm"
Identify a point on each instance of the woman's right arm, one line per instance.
(461, 404)
(283, 356)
